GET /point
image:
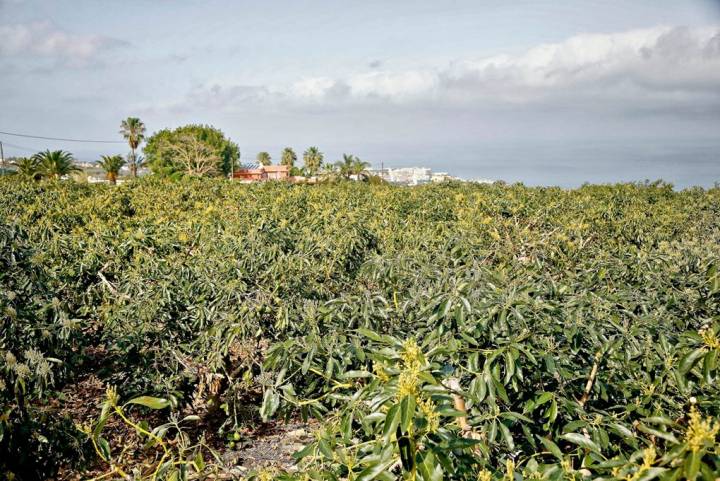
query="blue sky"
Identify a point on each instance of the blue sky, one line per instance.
(540, 92)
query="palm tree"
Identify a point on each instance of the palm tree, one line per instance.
(288, 157)
(351, 165)
(360, 167)
(27, 168)
(111, 164)
(313, 159)
(345, 166)
(264, 158)
(56, 163)
(133, 130)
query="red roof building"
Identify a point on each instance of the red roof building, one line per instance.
(264, 172)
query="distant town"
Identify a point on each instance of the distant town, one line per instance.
(201, 151)
(251, 173)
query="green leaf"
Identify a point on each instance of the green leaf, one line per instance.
(651, 473)
(324, 448)
(429, 468)
(581, 440)
(692, 465)
(356, 374)
(507, 436)
(392, 419)
(687, 362)
(271, 401)
(104, 448)
(372, 335)
(373, 471)
(151, 402)
(657, 433)
(552, 447)
(407, 412)
(622, 430)
(543, 398)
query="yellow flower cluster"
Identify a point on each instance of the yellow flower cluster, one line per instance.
(433, 418)
(484, 475)
(412, 360)
(407, 383)
(380, 372)
(411, 355)
(510, 470)
(649, 456)
(700, 432)
(267, 474)
(710, 338)
(112, 396)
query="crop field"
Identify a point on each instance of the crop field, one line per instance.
(158, 330)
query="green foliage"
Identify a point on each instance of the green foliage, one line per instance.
(288, 157)
(133, 130)
(28, 168)
(579, 328)
(164, 160)
(313, 159)
(111, 164)
(174, 457)
(351, 165)
(55, 164)
(264, 158)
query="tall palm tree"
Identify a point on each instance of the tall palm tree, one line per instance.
(111, 164)
(313, 159)
(133, 130)
(288, 157)
(27, 168)
(55, 164)
(264, 158)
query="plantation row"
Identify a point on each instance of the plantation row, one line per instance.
(451, 331)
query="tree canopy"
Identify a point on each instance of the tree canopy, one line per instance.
(264, 158)
(288, 157)
(313, 159)
(164, 150)
(55, 163)
(111, 164)
(351, 165)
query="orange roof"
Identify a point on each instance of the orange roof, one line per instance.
(276, 168)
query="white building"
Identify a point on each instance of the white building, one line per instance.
(405, 175)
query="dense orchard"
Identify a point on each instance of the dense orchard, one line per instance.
(451, 331)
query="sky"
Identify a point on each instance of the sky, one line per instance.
(539, 92)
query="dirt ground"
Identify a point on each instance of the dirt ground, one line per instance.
(263, 446)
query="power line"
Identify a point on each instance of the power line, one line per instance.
(63, 139)
(19, 147)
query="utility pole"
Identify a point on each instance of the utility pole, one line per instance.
(2, 158)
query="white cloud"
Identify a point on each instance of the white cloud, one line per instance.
(43, 39)
(661, 68)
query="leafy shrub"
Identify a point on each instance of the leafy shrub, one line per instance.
(580, 326)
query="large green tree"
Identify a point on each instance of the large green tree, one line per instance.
(313, 159)
(56, 163)
(133, 130)
(289, 157)
(111, 164)
(264, 158)
(168, 151)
